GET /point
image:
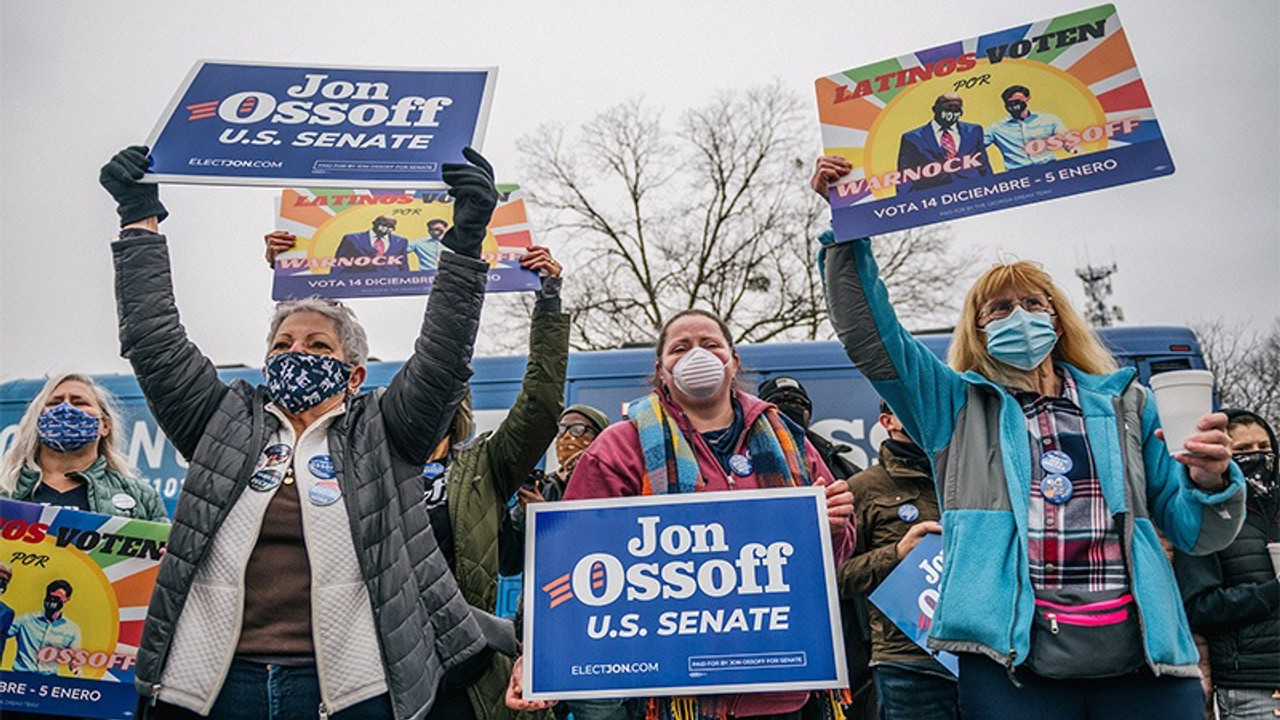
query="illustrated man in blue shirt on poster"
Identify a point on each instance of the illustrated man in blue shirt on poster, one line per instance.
(45, 629)
(428, 249)
(1011, 135)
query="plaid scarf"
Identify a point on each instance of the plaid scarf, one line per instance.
(774, 443)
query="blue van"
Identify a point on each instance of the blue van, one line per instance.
(845, 407)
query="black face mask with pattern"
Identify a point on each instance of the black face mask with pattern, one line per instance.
(1259, 470)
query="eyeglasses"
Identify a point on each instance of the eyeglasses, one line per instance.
(576, 429)
(1001, 309)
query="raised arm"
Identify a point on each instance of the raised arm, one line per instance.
(530, 426)
(422, 397)
(181, 384)
(925, 394)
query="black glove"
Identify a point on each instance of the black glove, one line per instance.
(474, 198)
(134, 200)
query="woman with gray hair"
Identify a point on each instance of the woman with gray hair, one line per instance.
(67, 452)
(302, 570)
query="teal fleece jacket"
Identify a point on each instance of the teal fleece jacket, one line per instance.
(975, 434)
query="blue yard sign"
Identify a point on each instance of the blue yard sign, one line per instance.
(237, 123)
(688, 594)
(909, 595)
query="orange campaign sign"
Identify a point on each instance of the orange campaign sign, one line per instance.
(76, 586)
(375, 243)
(1017, 116)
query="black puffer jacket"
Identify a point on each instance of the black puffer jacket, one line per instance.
(379, 446)
(1233, 598)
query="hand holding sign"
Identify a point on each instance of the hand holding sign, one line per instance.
(277, 242)
(135, 201)
(830, 169)
(474, 198)
(915, 535)
(909, 595)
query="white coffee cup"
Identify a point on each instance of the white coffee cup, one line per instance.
(1182, 398)
(1274, 549)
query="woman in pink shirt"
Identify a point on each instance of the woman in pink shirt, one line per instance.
(700, 433)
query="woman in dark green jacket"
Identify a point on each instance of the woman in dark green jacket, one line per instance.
(483, 475)
(67, 452)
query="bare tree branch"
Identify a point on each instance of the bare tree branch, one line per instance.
(716, 213)
(1245, 365)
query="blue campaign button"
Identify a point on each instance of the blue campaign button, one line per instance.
(321, 466)
(325, 492)
(1056, 489)
(266, 479)
(908, 513)
(432, 470)
(1056, 462)
(740, 465)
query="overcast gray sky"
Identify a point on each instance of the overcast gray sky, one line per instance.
(79, 80)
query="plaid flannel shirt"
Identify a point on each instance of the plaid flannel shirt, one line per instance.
(1074, 544)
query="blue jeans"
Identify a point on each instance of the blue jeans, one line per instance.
(986, 693)
(1246, 703)
(253, 691)
(905, 693)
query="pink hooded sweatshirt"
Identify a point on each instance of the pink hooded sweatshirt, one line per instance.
(613, 466)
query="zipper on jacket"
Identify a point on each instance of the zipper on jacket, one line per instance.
(1130, 531)
(155, 695)
(317, 646)
(1008, 668)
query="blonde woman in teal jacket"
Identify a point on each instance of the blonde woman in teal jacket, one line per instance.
(1053, 477)
(67, 452)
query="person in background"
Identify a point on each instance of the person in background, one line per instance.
(1233, 595)
(68, 451)
(302, 571)
(728, 440)
(1053, 475)
(483, 474)
(792, 400)
(895, 506)
(577, 427)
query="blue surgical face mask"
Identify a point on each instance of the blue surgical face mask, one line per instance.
(66, 428)
(1022, 340)
(298, 381)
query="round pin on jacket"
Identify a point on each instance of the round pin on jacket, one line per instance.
(325, 492)
(740, 465)
(432, 470)
(1056, 462)
(273, 455)
(321, 466)
(1056, 489)
(266, 479)
(908, 513)
(123, 501)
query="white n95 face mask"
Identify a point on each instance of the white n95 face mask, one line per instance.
(699, 374)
